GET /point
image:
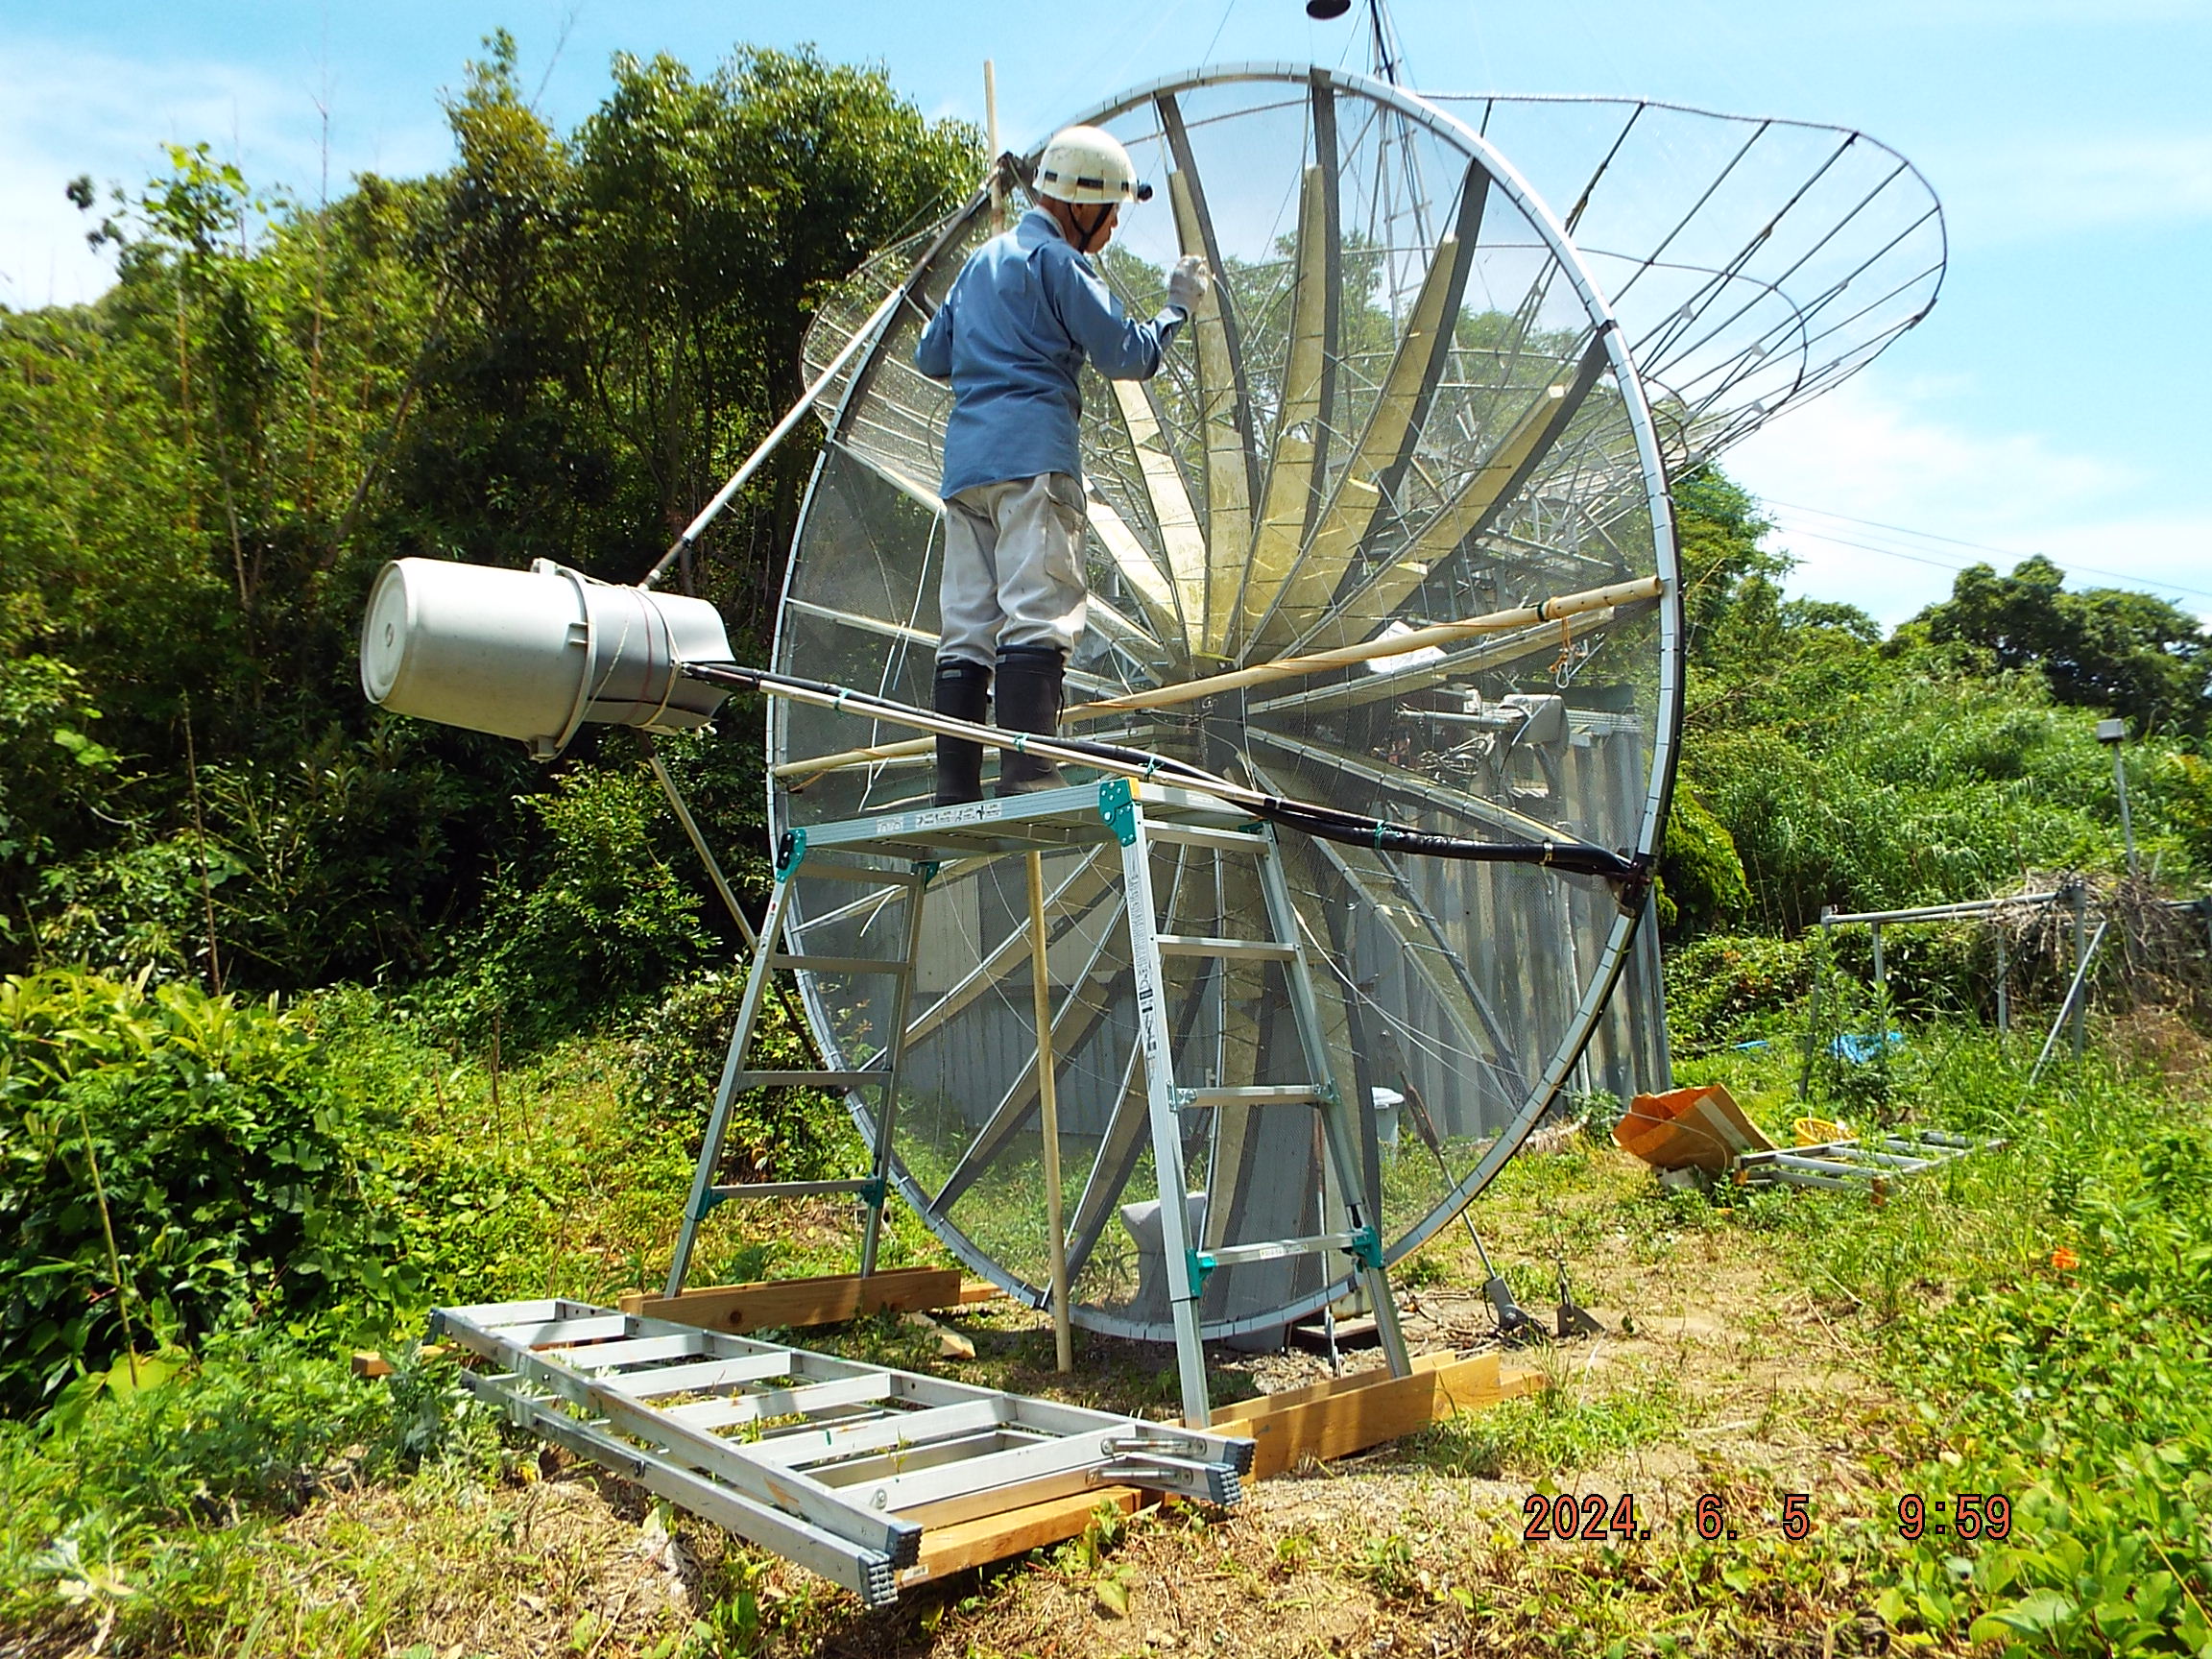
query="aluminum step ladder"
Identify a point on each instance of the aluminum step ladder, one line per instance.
(1124, 808)
(768, 960)
(1136, 815)
(834, 1464)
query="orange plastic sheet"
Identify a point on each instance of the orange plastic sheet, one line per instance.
(1689, 1129)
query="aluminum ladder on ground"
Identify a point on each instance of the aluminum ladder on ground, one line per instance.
(1135, 814)
(834, 1464)
(1853, 1164)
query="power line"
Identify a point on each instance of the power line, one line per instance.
(1957, 542)
(1207, 57)
(1890, 552)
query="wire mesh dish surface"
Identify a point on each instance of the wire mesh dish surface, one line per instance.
(1407, 402)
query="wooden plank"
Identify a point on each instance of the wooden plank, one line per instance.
(828, 1300)
(1223, 418)
(367, 1363)
(1180, 536)
(1335, 1421)
(988, 1538)
(1393, 429)
(1296, 453)
(1328, 1388)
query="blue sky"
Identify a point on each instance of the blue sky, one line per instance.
(2054, 401)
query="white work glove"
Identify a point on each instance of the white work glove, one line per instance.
(1188, 283)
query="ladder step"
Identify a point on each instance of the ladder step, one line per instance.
(704, 1376)
(798, 1446)
(1250, 950)
(788, 1188)
(1298, 1094)
(811, 1079)
(1192, 835)
(1227, 1255)
(840, 1394)
(814, 865)
(560, 1333)
(639, 1351)
(840, 964)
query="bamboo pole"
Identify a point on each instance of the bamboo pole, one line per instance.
(1049, 1110)
(1558, 609)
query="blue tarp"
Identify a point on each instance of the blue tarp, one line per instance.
(1859, 1049)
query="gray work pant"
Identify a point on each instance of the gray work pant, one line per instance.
(1013, 568)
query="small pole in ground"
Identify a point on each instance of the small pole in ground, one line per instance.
(200, 849)
(2081, 900)
(1813, 1002)
(2003, 983)
(2113, 734)
(114, 1257)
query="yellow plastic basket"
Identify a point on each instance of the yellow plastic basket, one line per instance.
(1818, 1131)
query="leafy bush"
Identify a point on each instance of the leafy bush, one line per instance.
(129, 1505)
(55, 768)
(251, 1425)
(1726, 987)
(235, 1158)
(605, 922)
(2179, 786)
(1873, 774)
(345, 859)
(137, 909)
(676, 1065)
(1917, 788)
(1700, 877)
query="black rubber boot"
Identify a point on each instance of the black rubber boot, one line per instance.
(963, 690)
(1029, 678)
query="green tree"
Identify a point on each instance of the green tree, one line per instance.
(1723, 557)
(2109, 648)
(553, 349)
(713, 216)
(1851, 771)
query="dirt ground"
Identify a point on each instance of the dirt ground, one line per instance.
(1719, 1373)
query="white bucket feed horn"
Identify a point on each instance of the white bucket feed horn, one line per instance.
(534, 653)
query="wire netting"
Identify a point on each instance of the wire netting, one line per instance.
(1406, 405)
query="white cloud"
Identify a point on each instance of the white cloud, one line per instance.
(1882, 504)
(2014, 192)
(68, 111)
(1872, 448)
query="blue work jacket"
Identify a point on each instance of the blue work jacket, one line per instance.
(1012, 335)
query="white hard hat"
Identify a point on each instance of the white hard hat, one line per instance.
(1085, 164)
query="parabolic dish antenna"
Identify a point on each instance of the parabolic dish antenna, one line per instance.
(1409, 401)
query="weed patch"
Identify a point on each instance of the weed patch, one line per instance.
(1559, 1428)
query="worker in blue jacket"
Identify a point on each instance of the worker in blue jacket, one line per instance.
(1025, 313)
